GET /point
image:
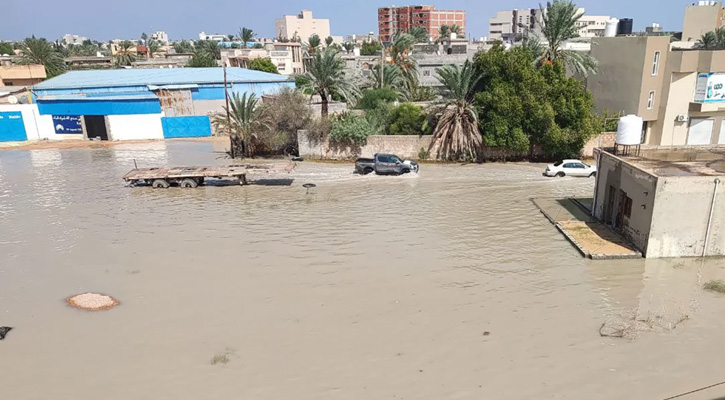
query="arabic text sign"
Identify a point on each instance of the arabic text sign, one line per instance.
(65, 124)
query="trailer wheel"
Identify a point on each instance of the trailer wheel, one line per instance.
(188, 183)
(160, 184)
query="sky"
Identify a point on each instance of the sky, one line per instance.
(184, 19)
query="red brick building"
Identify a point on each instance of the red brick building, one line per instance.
(393, 20)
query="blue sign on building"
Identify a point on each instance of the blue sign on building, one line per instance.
(67, 124)
(12, 128)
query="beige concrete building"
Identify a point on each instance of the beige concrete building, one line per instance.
(302, 26)
(702, 17)
(667, 200)
(631, 75)
(510, 25)
(21, 75)
(287, 57)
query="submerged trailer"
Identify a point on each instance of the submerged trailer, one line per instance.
(191, 177)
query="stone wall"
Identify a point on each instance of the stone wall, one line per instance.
(405, 146)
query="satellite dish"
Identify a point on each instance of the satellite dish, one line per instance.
(12, 100)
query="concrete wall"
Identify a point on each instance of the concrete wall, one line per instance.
(638, 185)
(700, 20)
(616, 87)
(134, 127)
(675, 100)
(37, 127)
(606, 139)
(405, 146)
(208, 107)
(681, 213)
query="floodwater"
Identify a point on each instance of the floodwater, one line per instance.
(446, 285)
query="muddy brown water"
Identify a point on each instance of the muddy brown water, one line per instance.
(367, 287)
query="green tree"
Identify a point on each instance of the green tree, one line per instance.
(201, 60)
(144, 37)
(456, 135)
(230, 38)
(6, 48)
(209, 48)
(350, 128)
(40, 51)
(374, 98)
(258, 46)
(420, 34)
(245, 124)
(152, 47)
(328, 41)
(408, 119)
(313, 43)
(708, 41)
(264, 65)
(392, 77)
(183, 47)
(326, 76)
(559, 25)
(370, 48)
(246, 35)
(457, 30)
(444, 33)
(124, 56)
(288, 112)
(348, 46)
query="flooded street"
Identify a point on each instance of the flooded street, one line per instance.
(446, 285)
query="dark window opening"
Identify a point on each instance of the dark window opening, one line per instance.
(627, 207)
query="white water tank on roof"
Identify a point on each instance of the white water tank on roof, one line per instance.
(610, 29)
(629, 130)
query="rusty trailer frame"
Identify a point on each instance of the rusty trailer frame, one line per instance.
(191, 177)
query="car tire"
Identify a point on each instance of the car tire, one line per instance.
(367, 171)
(405, 171)
(560, 174)
(593, 175)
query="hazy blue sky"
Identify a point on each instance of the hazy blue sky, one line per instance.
(108, 19)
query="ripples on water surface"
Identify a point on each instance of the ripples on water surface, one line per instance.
(367, 287)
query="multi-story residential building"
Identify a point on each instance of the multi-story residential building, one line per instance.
(702, 17)
(393, 20)
(287, 57)
(679, 93)
(511, 25)
(300, 27)
(160, 36)
(73, 39)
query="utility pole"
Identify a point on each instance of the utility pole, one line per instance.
(382, 62)
(226, 100)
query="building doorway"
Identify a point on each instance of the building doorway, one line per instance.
(96, 127)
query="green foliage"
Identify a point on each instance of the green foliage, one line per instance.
(370, 48)
(264, 65)
(715, 286)
(326, 77)
(408, 119)
(560, 24)
(40, 51)
(348, 46)
(375, 98)
(246, 35)
(521, 104)
(207, 48)
(201, 60)
(350, 128)
(153, 47)
(313, 43)
(6, 48)
(423, 154)
(714, 40)
(258, 46)
(609, 120)
(328, 41)
(246, 123)
(420, 34)
(183, 47)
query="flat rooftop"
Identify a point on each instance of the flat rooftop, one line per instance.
(678, 160)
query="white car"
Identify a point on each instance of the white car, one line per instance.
(570, 168)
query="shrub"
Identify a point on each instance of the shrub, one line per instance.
(350, 128)
(370, 48)
(288, 112)
(264, 65)
(715, 286)
(423, 154)
(408, 119)
(375, 98)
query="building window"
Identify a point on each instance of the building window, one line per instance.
(651, 100)
(656, 64)
(426, 72)
(627, 207)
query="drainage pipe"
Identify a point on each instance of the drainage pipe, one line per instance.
(709, 220)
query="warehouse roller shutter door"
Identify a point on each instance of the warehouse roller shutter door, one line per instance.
(186, 127)
(12, 128)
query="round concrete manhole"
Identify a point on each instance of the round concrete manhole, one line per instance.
(92, 301)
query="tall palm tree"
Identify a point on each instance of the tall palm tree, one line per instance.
(420, 34)
(210, 48)
(455, 28)
(144, 37)
(348, 46)
(444, 33)
(245, 123)
(457, 135)
(559, 25)
(328, 41)
(183, 47)
(152, 47)
(392, 77)
(708, 41)
(326, 75)
(246, 35)
(40, 51)
(313, 43)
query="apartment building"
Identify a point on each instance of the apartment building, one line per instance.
(301, 26)
(287, 57)
(394, 20)
(511, 25)
(702, 17)
(160, 36)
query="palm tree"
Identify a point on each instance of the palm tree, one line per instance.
(444, 33)
(183, 47)
(559, 25)
(40, 51)
(328, 41)
(457, 135)
(348, 46)
(209, 48)
(326, 75)
(420, 34)
(152, 47)
(455, 28)
(246, 35)
(392, 77)
(230, 38)
(313, 43)
(144, 36)
(708, 41)
(245, 123)
(124, 56)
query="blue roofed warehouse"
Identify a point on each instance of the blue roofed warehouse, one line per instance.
(127, 104)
